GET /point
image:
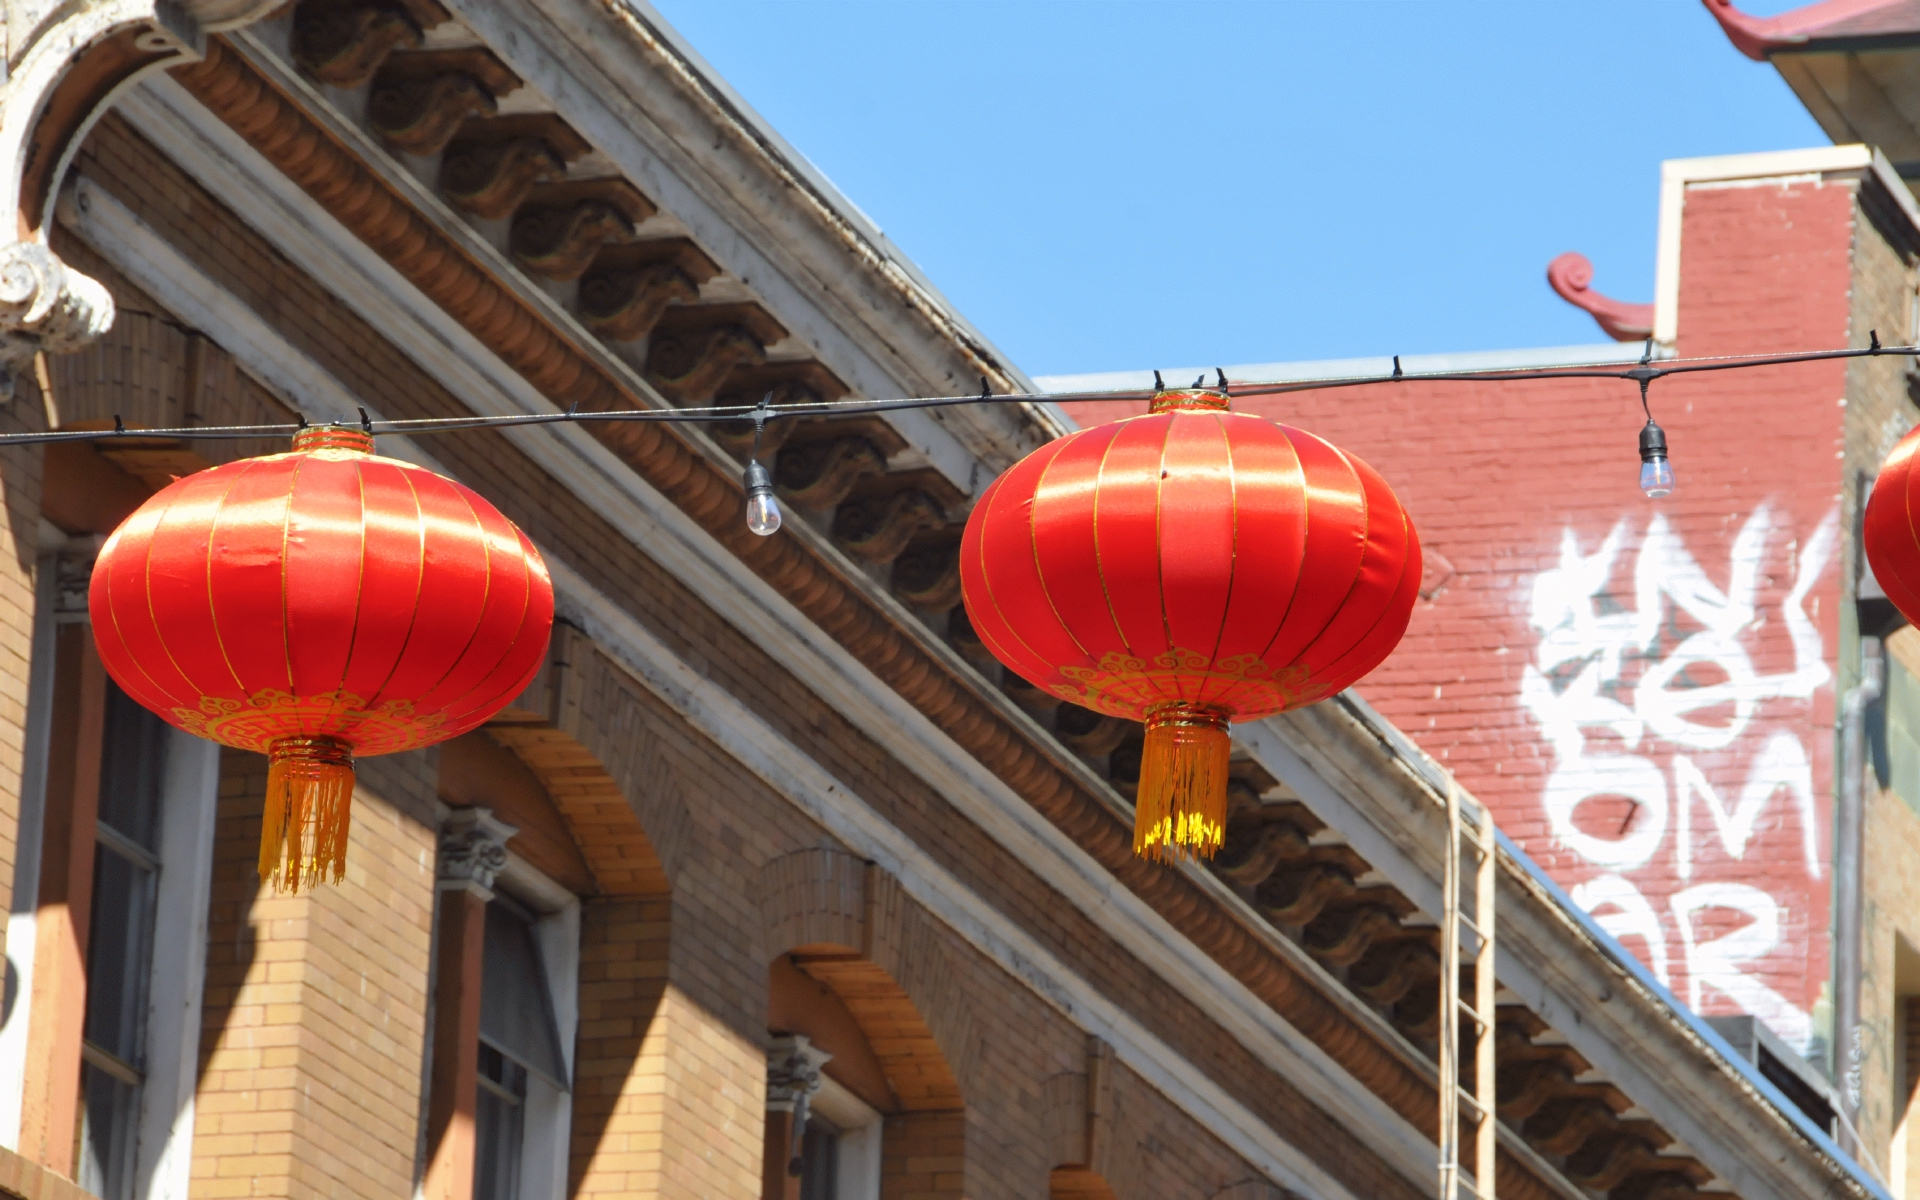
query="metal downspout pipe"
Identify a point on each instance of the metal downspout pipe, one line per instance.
(1849, 1053)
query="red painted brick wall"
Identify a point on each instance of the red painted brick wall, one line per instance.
(1609, 671)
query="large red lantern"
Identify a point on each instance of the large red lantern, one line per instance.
(1889, 529)
(1188, 568)
(314, 606)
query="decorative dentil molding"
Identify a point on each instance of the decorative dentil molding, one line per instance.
(70, 63)
(473, 851)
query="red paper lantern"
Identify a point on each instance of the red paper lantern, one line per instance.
(1889, 528)
(1188, 568)
(314, 606)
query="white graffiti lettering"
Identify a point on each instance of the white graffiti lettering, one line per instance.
(1635, 918)
(1627, 696)
(1716, 962)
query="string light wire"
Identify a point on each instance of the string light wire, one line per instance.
(1645, 372)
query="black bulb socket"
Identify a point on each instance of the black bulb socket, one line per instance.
(1653, 442)
(758, 479)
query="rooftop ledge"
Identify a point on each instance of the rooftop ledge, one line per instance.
(1601, 354)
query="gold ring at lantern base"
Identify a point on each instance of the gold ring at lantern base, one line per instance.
(315, 438)
(263, 719)
(1190, 400)
(304, 826)
(1121, 685)
(1181, 808)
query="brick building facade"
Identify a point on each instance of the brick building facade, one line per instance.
(1644, 689)
(770, 834)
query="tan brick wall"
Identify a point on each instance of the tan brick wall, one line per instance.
(1879, 407)
(923, 1156)
(668, 1101)
(619, 1114)
(1892, 913)
(315, 1011)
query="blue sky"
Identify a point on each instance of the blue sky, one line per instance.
(1107, 186)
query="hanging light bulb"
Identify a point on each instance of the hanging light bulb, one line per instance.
(1656, 473)
(763, 512)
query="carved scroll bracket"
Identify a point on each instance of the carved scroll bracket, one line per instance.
(73, 64)
(473, 851)
(793, 1074)
(46, 305)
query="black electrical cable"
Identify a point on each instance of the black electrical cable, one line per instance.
(1644, 372)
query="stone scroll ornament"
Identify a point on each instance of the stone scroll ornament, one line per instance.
(316, 606)
(1188, 568)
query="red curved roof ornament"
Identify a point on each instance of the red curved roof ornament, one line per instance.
(1758, 37)
(1571, 275)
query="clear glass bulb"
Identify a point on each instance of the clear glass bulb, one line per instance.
(763, 514)
(1656, 478)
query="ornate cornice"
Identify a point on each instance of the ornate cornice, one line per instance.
(1571, 277)
(709, 493)
(67, 69)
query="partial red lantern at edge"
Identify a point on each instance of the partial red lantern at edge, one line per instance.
(1188, 568)
(315, 606)
(1890, 529)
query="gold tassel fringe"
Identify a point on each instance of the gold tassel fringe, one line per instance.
(303, 832)
(1181, 811)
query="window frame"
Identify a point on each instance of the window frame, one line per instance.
(547, 1120)
(517, 1117)
(188, 811)
(23, 917)
(857, 1147)
(176, 977)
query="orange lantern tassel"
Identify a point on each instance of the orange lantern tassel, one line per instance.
(1181, 810)
(303, 831)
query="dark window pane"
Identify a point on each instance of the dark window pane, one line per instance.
(132, 765)
(119, 955)
(516, 1014)
(109, 1111)
(499, 1127)
(819, 1161)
